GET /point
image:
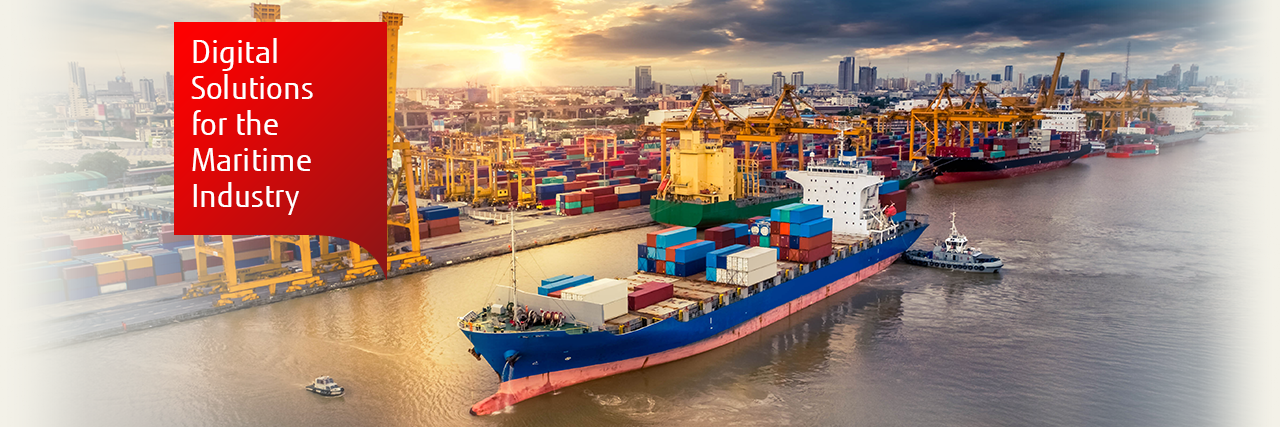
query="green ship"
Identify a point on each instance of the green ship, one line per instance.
(697, 214)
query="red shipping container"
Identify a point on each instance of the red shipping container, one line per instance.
(649, 186)
(810, 243)
(744, 240)
(188, 265)
(109, 278)
(649, 294)
(651, 239)
(661, 267)
(139, 273)
(453, 229)
(600, 191)
(606, 199)
(588, 201)
(629, 203)
(754, 240)
(168, 279)
(113, 240)
(573, 212)
(813, 255)
(606, 207)
(897, 198)
(555, 294)
(442, 222)
(783, 227)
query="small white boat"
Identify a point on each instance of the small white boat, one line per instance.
(955, 254)
(325, 386)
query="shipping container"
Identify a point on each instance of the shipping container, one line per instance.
(562, 284)
(602, 291)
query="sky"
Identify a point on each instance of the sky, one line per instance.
(596, 42)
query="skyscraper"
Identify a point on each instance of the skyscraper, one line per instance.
(778, 81)
(1008, 73)
(1115, 79)
(797, 78)
(846, 78)
(1022, 80)
(995, 77)
(644, 80)
(957, 80)
(867, 79)
(77, 79)
(1189, 78)
(735, 86)
(168, 86)
(1084, 78)
(1175, 76)
(1063, 82)
(928, 79)
(148, 89)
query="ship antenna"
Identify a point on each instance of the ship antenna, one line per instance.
(514, 292)
(953, 224)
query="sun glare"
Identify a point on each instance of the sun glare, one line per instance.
(512, 61)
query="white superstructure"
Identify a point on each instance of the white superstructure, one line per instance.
(1063, 118)
(848, 192)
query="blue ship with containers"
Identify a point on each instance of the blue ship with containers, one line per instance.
(691, 295)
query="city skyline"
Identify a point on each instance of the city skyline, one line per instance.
(585, 42)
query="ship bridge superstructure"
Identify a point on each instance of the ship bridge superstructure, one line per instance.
(847, 190)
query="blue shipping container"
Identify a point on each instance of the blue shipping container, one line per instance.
(551, 280)
(889, 186)
(811, 228)
(739, 230)
(718, 257)
(564, 284)
(695, 251)
(677, 237)
(805, 213)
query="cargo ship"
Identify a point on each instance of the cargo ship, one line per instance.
(708, 186)
(577, 329)
(1055, 144)
(1171, 140)
(1133, 150)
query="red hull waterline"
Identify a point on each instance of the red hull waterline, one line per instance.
(517, 390)
(954, 177)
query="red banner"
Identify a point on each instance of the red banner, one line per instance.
(280, 128)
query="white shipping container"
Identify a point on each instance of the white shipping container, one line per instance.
(599, 292)
(752, 259)
(722, 275)
(187, 253)
(1024, 151)
(615, 308)
(626, 189)
(750, 278)
(188, 276)
(114, 287)
(1023, 140)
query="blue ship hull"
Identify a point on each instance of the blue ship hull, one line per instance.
(546, 352)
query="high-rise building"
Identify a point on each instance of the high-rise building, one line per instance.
(1064, 82)
(1175, 76)
(1084, 77)
(995, 77)
(1190, 77)
(1008, 73)
(495, 94)
(168, 86)
(722, 84)
(643, 80)
(867, 79)
(77, 79)
(148, 89)
(1035, 81)
(928, 79)
(1022, 80)
(1095, 84)
(778, 81)
(847, 77)
(958, 80)
(797, 78)
(735, 86)
(1115, 79)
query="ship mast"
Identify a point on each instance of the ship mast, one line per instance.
(514, 305)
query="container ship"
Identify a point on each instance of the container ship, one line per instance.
(1133, 150)
(709, 186)
(1160, 135)
(1054, 145)
(690, 296)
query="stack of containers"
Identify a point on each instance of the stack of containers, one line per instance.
(81, 280)
(628, 195)
(168, 266)
(569, 204)
(552, 287)
(760, 231)
(439, 221)
(139, 270)
(546, 193)
(688, 259)
(97, 245)
(652, 256)
(188, 257)
(749, 266)
(111, 274)
(649, 293)
(718, 260)
(882, 164)
(802, 234)
(610, 294)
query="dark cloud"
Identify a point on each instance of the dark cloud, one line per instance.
(819, 28)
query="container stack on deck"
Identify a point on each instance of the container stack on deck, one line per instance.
(674, 251)
(800, 232)
(891, 194)
(749, 266)
(728, 234)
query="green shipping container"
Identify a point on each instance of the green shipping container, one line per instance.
(573, 205)
(588, 209)
(764, 241)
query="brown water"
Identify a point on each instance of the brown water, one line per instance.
(1116, 308)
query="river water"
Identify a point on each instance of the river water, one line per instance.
(1118, 307)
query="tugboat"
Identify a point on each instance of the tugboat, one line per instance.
(325, 386)
(953, 253)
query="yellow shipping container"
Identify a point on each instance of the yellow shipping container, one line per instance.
(137, 262)
(107, 267)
